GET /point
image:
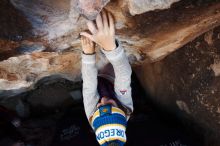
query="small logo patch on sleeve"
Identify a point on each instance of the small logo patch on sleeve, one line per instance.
(123, 92)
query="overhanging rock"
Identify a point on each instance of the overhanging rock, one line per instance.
(56, 27)
(40, 38)
(141, 6)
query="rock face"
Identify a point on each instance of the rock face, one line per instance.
(50, 19)
(24, 71)
(90, 8)
(40, 38)
(141, 6)
(187, 83)
(55, 27)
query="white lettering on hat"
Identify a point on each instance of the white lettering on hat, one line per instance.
(111, 132)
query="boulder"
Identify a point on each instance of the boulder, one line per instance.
(176, 64)
(141, 6)
(186, 83)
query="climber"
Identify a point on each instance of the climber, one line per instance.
(107, 101)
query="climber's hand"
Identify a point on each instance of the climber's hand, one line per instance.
(88, 46)
(103, 32)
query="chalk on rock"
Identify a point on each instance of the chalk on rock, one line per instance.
(90, 8)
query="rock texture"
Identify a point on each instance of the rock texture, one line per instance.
(55, 27)
(187, 84)
(60, 23)
(19, 74)
(216, 68)
(90, 8)
(141, 6)
(40, 39)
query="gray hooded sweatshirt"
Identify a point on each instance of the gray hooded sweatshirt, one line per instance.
(122, 81)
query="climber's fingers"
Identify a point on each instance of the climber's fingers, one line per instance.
(105, 20)
(111, 23)
(92, 27)
(89, 42)
(86, 40)
(99, 22)
(86, 34)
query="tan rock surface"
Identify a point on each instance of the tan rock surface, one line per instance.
(90, 8)
(24, 71)
(141, 6)
(57, 26)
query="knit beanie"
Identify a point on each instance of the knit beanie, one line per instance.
(109, 124)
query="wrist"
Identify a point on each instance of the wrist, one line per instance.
(115, 54)
(88, 53)
(111, 47)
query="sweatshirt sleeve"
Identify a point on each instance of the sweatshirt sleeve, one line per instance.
(122, 69)
(89, 76)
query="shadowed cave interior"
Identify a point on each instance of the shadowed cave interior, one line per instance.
(65, 124)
